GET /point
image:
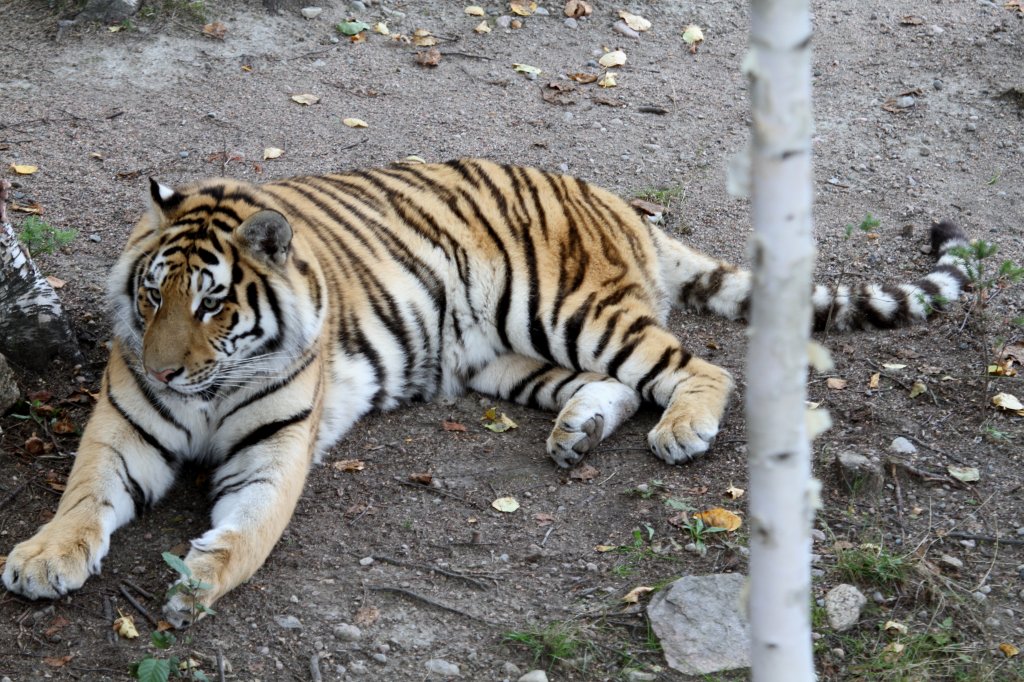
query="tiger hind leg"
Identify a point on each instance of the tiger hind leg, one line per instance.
(590, 406)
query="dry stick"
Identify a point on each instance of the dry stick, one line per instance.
(144, 593)
(984, 538)
(899, 501)
(923, 475)
(934, 449)
(220, 665)
(14, 493)
(423, 567)
(429, 602)
(467, 54)
(547, 534)
(108, 615)
(314, 668)
(361, 514)
(139, 607)
(437, 491)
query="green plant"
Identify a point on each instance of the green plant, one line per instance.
(699, 533)
(557, 642)
(663, 195)
(152, 669)
(872, 565)
(868, 224)
(39, 236)
(646, 491)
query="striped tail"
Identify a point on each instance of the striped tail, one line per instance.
(699, 282)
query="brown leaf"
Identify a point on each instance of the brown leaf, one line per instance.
(719, 518)
(431, 57)
(584, 473)
(56, 625)
(911, 20)
(543, 519)
(55, 282)
(583, 78)
(873, 381)
(607, 101)
(558, 96)
(34, 445)
(449, 425)
(163, 626)
(349, 465)
(64, 426)
(58, 661)
(56, 481)
(366, 616)
(836, 384)
(425, 478)
(31, 207)
(42, 396)
(577, 8)
(216, 30)
(634, 595)
(648, 207)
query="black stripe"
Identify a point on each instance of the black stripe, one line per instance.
(236, 487)
(263, 432)
(169, 458)
(654, 372)
(271, 388)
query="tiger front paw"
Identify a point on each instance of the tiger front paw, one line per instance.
(47, 567)
(680, 438)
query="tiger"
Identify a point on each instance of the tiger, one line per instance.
(253, 325)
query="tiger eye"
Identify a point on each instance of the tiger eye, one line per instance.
(210, 303)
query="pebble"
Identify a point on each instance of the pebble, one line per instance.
(623, 28)
(358, 667)
(905, 102)
(347, 632)
(94, 238)
(936, 30)
(504, 21)
(592, 567)
(571, 23)
(357, 6)
(293, 599)
(640, 676)
(311, 12)
(541, 12)
(289, 622)
(380, 658)
(843, 606)
(534, 676)
(1020, 531)
(902, 446)
(924, 151)
(979, 597)
(937, 84)
(592, 63)
(439, 666)
(366, 561)
(511, 669)
(969, 544)
(952, 562)
(818, 535)
(531, 76)
(183, 154)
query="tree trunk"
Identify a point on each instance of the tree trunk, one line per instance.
(33, 326)
(782, 494)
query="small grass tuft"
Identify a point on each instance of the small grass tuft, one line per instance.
(552, 644)
(38, 236)
(872, 565)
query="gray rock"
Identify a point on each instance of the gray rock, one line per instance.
(623, 28)
(510, 669)
(183, 154)
(699, 624)
(311, 12)
(571, 23)
(289, 622)
(861, 474)
(504, 21)
(9, 392)
(347, 633)
(442, 668)
(534, 676)
(902, 446)
(357, 6)
(95, 238)
(843, 605)
(541, 12)
(905, 102)
(952, 562)
(640, 676)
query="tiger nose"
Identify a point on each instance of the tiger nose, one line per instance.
(164, 375)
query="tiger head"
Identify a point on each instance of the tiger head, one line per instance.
(211, 293)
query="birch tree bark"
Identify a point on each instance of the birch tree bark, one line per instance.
(33, 326)
(782, 493)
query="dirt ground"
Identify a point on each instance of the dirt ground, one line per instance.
(100, 111)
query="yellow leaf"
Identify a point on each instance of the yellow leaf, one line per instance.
(491, 414)
(125, 627)
(605, 548)
(895, 628)
(1009, 650)
(1007, 401)
(964, 474)
(423, 38)
(505, 505)
(526, 68)
(349, 465)
(305, 99)
(733, 492)
(917, 389)
(381, 28)
(355, 123)
(23, 169)
(836, 384)
(873, 381)
(608, 81)
(95, 155)
(719, 518)
(475, 11)
(272, 153)
(634, 595)
(693, 37)
(482, 27)
(522, 9)
(614, 58)
(634, 21)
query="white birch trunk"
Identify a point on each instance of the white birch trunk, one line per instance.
(782, 493)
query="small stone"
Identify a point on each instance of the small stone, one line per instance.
(534, 676)
(311, 12)
(347, 632)
(818, 535)
(510, 669)
(905, 102)
(289, 622)
(366, 561)
(183, 154)
(441, 667)
(979, 597)
(902, 446)
(278, 664)
(591, 63)
(877, 597)
(993, 622)
(357, 6)
(936, 30)
(969, 544)
(563, 168)
(571, 23)
(839, 653)
(924, 151)
(625, 30)
(1020, 531)
(541, 12)
(531, 76)
(985, 589)
(952, 562)
(640, 676)
(358, 668)
(380, 658)
(843, 605)
(504, 21)
(592, 567)
(293, 599)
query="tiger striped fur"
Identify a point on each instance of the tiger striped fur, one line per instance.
(253, 325)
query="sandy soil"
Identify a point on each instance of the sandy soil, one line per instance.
(99, 112)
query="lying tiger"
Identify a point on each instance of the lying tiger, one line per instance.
(255, 324)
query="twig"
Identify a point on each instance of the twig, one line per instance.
(923, 475)
(423, 567)
(361, 514)
(139, 607)
(547, 534)
(220, 665)
(314, 668)
(427, 601)
(899, 501)
(108, 615)
(984, 538)
(144, 593)
(14, 493)
(934, 449)
(436, 491)
(466, 54)
(311, 53)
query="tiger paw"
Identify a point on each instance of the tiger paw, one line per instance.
(46, 568)
(680, 438)
(590, 416)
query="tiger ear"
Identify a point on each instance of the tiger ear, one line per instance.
(267, 235)
(164, 198)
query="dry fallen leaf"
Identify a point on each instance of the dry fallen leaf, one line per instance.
(1007, 401)
(719, 518)
(125, 627)
(34, 445)
(272, 153)
(475, 11)
(381, 28)
(355, 123)
(21, 169)
(633, 596)
(506, 505)
(584, 473)
(693, 37)
(605, 548)
(498, 423)
(836, 384)
(1009, 650)
(413, 159)
(216, 30)
(449, 425)
(583, 78)
(911, 20)
(522, 9)
(873, 381)
(425, 478)
(305, 99)
(892, 365)
(64, 426)
(733, 492)
(917, 389)
(349, 465)
(421, 37)
(608, 81)
(431, 57)
(56, 282)
(964, 474)
(895, 628)
(577, 8)
(543, 519)
(482, 27)
(526, 68)
(635, 21)
(366, 616)
(58, 661)
(613, 58)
